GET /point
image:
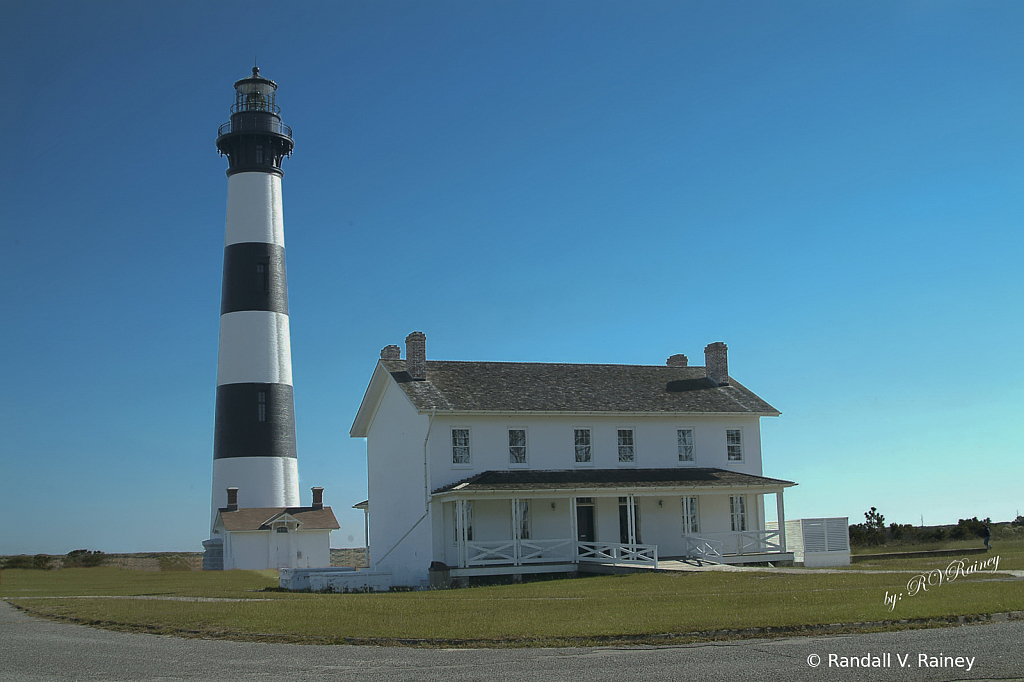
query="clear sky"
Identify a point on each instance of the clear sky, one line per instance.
(832, 188)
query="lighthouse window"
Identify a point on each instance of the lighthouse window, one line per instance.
(262, 401)
(261, 272)
(259, 153)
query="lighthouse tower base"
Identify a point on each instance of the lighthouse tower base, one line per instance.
(261, 481)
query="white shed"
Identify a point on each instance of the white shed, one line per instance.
(276, 537)
(818, 542)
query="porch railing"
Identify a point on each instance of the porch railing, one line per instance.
(505, 552)
(618, 553)
(525, 552)
(732, 544)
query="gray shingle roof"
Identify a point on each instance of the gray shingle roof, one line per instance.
(586, 479)
(562, 387)
(257, 518)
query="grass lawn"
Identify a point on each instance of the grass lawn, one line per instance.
(1009, 551)
(543, 613)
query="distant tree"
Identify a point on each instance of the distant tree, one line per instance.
(41, 561)
(872, 519)
(1019, 521)
(871, 532)
(84, 558)
(20, 561)
(903, 531)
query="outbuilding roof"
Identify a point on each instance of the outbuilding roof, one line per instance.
(563, 387)
(596, 479)
(260, 518)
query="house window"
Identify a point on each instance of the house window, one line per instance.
(734, 444)
(524, 519)
(282, 529)
(691, 523)
(583, 454)
(738, 511)
(684, 440)
(627, 450)
(517, 446)
(460, 446)
(261, 405)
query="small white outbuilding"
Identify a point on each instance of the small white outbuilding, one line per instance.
(274, 537)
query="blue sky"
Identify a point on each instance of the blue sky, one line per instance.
(833, 189)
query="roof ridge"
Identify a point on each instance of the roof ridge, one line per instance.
(546, 362)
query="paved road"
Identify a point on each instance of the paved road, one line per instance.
(34, 650)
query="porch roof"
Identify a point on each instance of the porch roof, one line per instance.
(608, 479)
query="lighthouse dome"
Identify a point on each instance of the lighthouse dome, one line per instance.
(255, 93)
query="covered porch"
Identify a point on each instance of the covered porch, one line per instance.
(497, 522)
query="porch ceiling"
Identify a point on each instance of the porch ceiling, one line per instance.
(609, 480)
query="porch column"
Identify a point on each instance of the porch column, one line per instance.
(460, 532)
(574, 533)
(631, 518)
(517, 532)
(366, 531)
(782, 519)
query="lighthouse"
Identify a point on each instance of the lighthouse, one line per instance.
(254, 434)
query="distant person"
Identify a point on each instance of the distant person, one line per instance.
(987, 534)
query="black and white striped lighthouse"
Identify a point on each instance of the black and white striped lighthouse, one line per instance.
(254, 436)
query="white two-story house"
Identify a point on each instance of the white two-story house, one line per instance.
(519, 467)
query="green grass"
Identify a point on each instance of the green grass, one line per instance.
(1009, 551)
(549, 612)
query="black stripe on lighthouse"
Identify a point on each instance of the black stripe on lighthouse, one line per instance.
(254, 420)
(255, 278)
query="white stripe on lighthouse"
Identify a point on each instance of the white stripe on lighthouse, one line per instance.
(261, 482)
(255, 347)
(255, 212)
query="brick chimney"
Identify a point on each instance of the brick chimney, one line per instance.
(232, 499)
(716, 361)
(416, 355)
(677, 360)
(391, 352)
(318, 498)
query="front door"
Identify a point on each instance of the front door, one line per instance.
(585, 523)
(283, 547)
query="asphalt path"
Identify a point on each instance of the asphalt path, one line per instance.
(33, 649)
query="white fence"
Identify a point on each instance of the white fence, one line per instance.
(618, 553)
(523, 552)
(819, 542)
(732, 544)
(504, 552)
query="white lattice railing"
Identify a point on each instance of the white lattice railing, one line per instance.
(537, 551)
(526, 552)
(618, 553)
(732, 544)
(486, 553)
